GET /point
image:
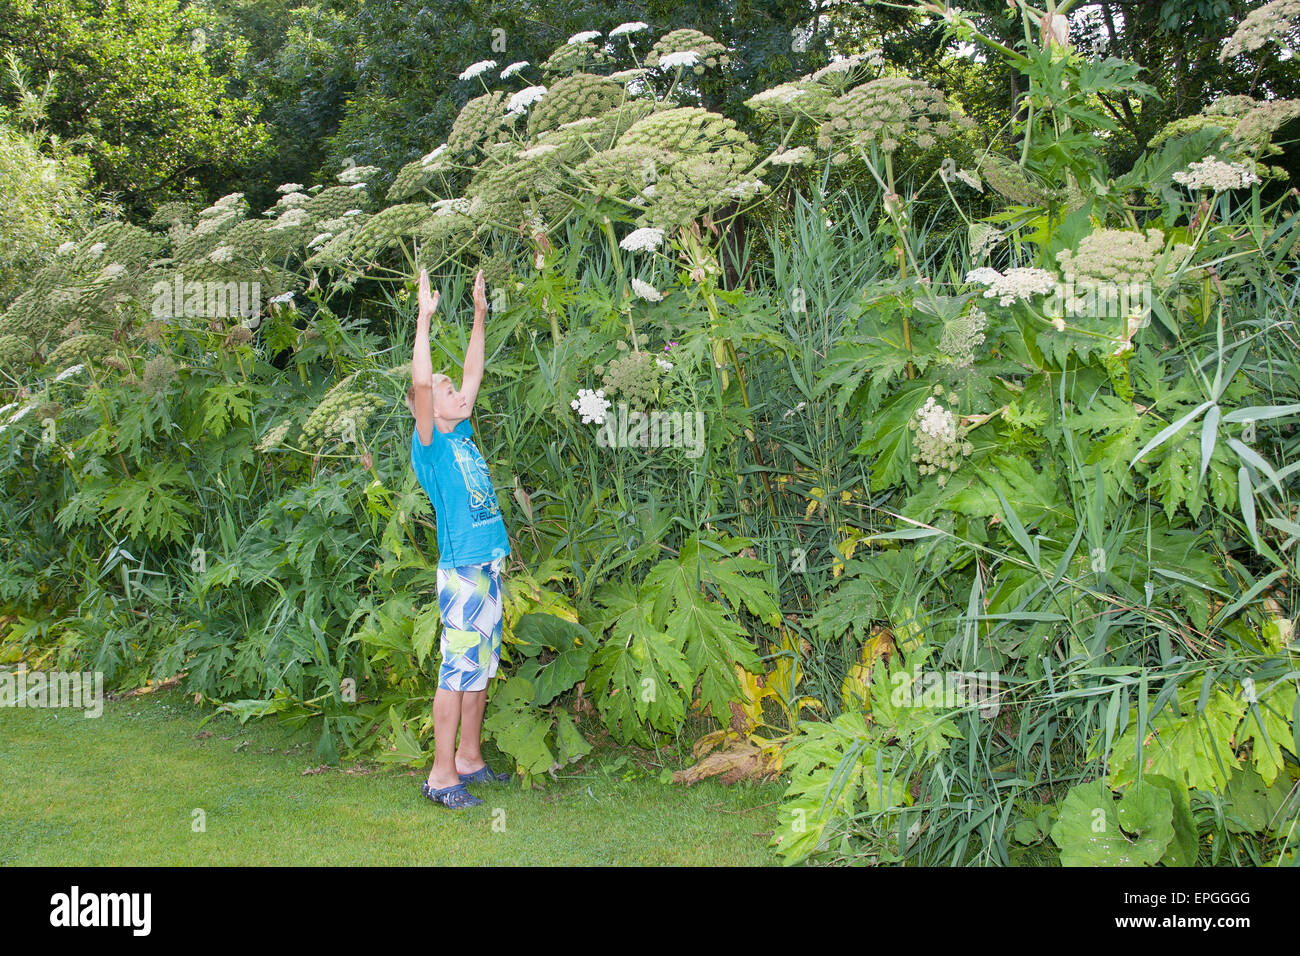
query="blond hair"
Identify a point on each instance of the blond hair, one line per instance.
(437, 380)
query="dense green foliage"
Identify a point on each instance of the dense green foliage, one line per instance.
(969, 500)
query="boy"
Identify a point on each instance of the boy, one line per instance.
(472, 546)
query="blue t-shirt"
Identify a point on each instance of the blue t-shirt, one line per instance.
(453, 473)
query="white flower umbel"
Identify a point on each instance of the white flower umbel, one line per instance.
(684, 58)
(1016, 285)
(21, 413)
(583, 37)
(513, 68)
(632, 27)
(444, 207)
(937, 421)
(1216, 175)
(792, 157)
(96, 250)
(429, 157)
(778, 94)
(939, 445)
(282, 299)
(356, 174)
(646, 291)
(645, 239)
(871, 57)
(746, 189)
(592, 406)
(525, 98)
(1274, 22)
(291, 219)
(66, 247)
(288, 187)
(474, 69)
(69, 372)
(664, 364)
(983, 275)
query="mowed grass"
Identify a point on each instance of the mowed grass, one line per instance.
(123, 788)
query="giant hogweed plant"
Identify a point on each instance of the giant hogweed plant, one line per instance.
(994, 541)
(1101, 496)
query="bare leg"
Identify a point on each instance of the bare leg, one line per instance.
(446, 715)
(469, 755)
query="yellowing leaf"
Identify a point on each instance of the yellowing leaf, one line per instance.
(741, 760)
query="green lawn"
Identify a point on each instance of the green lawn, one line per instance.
(121, 789)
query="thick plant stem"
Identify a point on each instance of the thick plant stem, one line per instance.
(891, 201)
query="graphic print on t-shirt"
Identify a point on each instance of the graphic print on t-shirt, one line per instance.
(483, 505)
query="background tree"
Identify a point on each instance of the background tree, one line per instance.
(164, 108)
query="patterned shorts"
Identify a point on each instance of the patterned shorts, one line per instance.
(469, 600)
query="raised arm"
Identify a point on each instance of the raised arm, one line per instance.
(422, 361)
(474, 355)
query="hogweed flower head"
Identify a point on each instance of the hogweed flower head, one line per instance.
(838, 72)
(634, 379)
(888, 111)
(799, 156)
(673, 60)
(525, 98)
(962, 336)
(1113, 255)
(646, 291)
(708, 51)
(983, 237)
(633, 27)
(645, 239)
(274, 436)
(342, 411)
(69, 372)
(1216, 175)
(592, 406)
(1014, 285)
(939, 443)
(474, 69)
(1011, 181)
(1277, 21)
(356, 174)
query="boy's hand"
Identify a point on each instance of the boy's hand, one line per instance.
(480, 293)
(428, 300)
